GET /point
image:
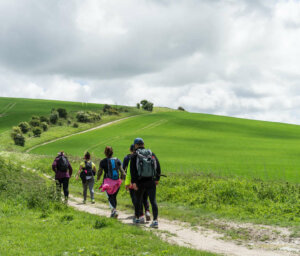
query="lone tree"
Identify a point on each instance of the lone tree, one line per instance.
(180, 108)
(147, 105)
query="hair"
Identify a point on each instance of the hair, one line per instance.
(131, 148)
(108, 151)
(87, 156)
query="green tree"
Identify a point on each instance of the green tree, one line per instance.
(24, 126)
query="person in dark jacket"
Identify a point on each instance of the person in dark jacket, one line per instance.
(63, 172)
(144, 184)
(128, 187)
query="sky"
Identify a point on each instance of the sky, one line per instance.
(236, 58)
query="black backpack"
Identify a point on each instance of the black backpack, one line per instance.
(62, 163)
(113, 168)
(87, 171)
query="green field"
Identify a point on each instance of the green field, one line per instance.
(186, 142)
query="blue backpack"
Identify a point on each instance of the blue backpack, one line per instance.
(113, 168)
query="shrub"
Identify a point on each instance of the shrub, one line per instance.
(82, 117)
(44, 119)
(24, 126)
(54, 117)
(19, 139)
(180, 108)
(112, 111)
(44, 125)
(69, 121)
(35, 118)
(75, 125)
(35, 122)
(106, 108)
(138, 105)
(87, 117)
(147, 105)
(60, 123)
(62, 112)
(37, 131)
(15, 130)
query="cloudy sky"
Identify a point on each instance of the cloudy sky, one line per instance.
(231, 57)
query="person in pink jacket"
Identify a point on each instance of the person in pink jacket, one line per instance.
(113, 170)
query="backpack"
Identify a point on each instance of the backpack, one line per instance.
(146, 164)
(87, 171)
(113, 168)
(62, 163)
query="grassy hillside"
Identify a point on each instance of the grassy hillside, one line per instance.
(14, 110)
(186, 142)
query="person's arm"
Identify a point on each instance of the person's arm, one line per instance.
(54, 165)
(125, 162)
(70, 169)
(94, 168)
(99, 173)
(78, 173)
(128, 177)
(133, 172)
(123, 174)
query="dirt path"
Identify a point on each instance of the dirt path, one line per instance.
(73, 134)
(182, 234)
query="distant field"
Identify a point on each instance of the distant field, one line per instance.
(187, 142)
(14, 110)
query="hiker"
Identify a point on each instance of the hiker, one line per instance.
(113, 170)
(128, 187)
(145, 174)
(63, 172)
(87, 171)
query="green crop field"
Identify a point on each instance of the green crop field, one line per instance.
(186, 142)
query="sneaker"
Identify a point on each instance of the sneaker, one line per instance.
(93, 201)
(142, 219)
(148, 216)
(154, 224)
(136, 220)
(116, 214)
(84, 201)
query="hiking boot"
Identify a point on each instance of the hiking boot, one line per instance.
(114, 214)
(93, 201)
(148, 216)
(142, 219)
(154, 224)
(136, 220)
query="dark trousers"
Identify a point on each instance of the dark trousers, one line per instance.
(145, 201)
(65, 183)
(113, 199)
(148, 187)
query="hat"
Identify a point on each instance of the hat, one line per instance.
(138, 141)
(131, 147)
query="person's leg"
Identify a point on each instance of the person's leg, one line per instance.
(145, 201)
(132, 196)
(138, 203)
(58, 189)
(91, 187)
(152, 195)
(112, 200)
(84, 185)
(65, 182)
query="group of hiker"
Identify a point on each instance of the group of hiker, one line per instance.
(140, 170)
